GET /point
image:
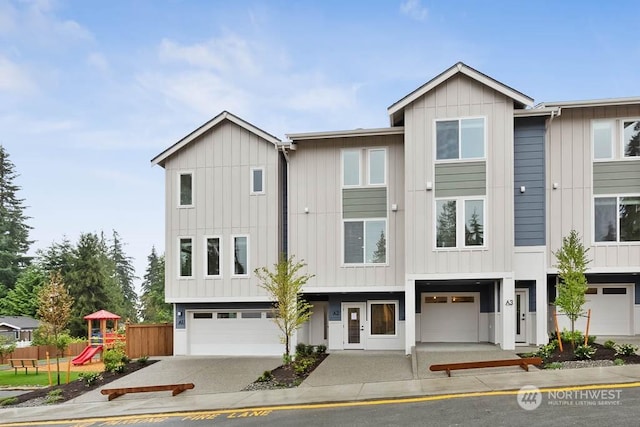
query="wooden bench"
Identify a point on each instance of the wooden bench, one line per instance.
(112, 393)
(25, 364)
(523, 363)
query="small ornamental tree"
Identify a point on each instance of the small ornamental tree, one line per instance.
(572, 265)
(54, 310)
(284, 285)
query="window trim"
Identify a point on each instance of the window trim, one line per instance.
(342, 169)
(384, 178)
(251, 177)
(364, 231)
(621, 121)
(396, 320)
(205, 251)
(459, 159)
(180, 173)
(460, 223)
(232, 257)
(617, 242)
(612, 135)
(179, 259)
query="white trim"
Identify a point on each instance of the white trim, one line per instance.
(189, 300)
(612, 126)
(460, 223)
(179, 260)
(232, 257)
(206, 256)
(459, 158)
(396, 320)
(364, 262)
(358, 151)
(251, 182)
(495, 275)
(351, 289)
(617, 242)
(180, 173)
(384, 172)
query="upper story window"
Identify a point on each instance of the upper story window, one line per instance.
(365, 241)
(631, 138)
(185, 181)
(213, 257)
(370, 163)
(617, 219)
(616, 139)
(460, 223)
(257, 180)
(602, 140)
(185, 257)
(240, 245)
(460, 139)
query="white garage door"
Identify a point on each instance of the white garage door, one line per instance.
(450, 317)
(237, 333)
(611, 309)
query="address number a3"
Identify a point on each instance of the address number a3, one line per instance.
(508, 302)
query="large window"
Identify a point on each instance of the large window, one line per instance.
(365, 241)
(631, 137)
(186, 189)
(617, 219)
(240, 255)
(460, 139)
(257, 180)
(186, 256)
(371, 163)
(383, 318)
(212, 251)
(460, 227)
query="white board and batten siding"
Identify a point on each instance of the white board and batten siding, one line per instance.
(459, 97)
(570, 165)
(315, 183)
(221, 161)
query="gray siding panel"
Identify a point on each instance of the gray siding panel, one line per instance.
(461, 179)
(616, 177)
(529, 171)
(364, 202)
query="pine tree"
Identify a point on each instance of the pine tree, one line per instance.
(380, 254)
(22, 299)
(153, 309)
(473, 233)
(633, 148)
(14, 231)
(124, 276)
(446, 231)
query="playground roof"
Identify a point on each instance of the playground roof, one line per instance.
(100, 315)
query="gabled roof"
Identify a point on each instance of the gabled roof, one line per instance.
(396, 109)
(19, 322)
(225, 115)
(102, 314)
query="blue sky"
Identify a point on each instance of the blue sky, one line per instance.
(90, 91)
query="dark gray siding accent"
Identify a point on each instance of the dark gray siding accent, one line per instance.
(461, 179)
(616, 177)
(528, 171)
(364, 202)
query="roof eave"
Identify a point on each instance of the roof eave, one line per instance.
(397, 130)
(604, 102)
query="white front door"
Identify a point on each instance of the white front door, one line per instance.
(521, 315)
(353, 322)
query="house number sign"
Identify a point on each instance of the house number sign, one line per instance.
(508, 302)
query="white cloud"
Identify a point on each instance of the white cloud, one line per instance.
(98, 61)
(14, 78)
(414, 9)
(323, 98)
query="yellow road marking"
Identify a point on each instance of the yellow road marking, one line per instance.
(269, 409)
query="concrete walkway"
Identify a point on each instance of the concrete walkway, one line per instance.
(342, 377)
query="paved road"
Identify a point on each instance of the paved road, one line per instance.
(593, 406)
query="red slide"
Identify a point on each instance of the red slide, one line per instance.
(86, 355)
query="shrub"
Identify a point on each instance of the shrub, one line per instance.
(584, 352)
(618, 362)
(626, 349)
(575, 337)
(115, 359)
(90, 378)
(143, 360)
(591, 339)
(303, 350)
(610, 344)
(321, 349)
(303, 364)
(266, 376)
(553, 365)
(545, 351)
(8, 401)
(53, 396)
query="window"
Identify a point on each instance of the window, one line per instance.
(617, 219)
(460, 139)
(350, 168)
(602, 140)
(186, 189)
(250, 315)
(453, 224)
(435, 300)
(373, 162)
(462, 299)
(257, 180)
(614, 291)
(631, 137)
(203, 315)
(227, 315)
(212, 253)
(377, 166)
(383, 318)
(365, 242)
(591, 291)
(186, 257)
(240, 255)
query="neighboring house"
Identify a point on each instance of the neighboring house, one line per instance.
(18, 328)
(439, 228)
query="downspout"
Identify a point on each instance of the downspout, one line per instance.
(285, 202)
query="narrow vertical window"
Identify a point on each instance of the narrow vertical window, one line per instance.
(602, 140)
(186, 257)
(213, 256)
(471, 138)
(257, 181)
(446, 220)
(631, 135)
(605, 219)
(353, 242)
(375, 242)
(186, 189)
(474, 223)
(350, 167)
(377, 167)
(240, 256)
(629, 209)
(447, 140)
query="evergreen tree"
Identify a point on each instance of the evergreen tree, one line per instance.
(446, 231)
(57, 258)
(473, 233)
(633, 148)
(124, 277)
(22, 299)
(153, 309)
(14, 231)
(380, 254)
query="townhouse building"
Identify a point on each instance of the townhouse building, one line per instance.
(440, 227)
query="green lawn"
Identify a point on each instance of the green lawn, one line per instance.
(9, 378)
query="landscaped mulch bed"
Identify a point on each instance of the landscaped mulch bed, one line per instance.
(285, 376)
(602, 357)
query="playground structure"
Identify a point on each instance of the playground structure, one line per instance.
(99, 338)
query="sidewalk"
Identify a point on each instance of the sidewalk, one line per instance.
(204, 398)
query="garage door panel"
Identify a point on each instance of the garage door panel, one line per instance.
(450, 317)
(610, 310)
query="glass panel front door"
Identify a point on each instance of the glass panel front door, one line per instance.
(353, 314)
(353, 320)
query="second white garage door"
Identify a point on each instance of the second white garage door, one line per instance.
(450, 317)
(236, 333)
(611, 309)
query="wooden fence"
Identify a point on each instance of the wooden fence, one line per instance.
(40, 352)
(149, 340)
